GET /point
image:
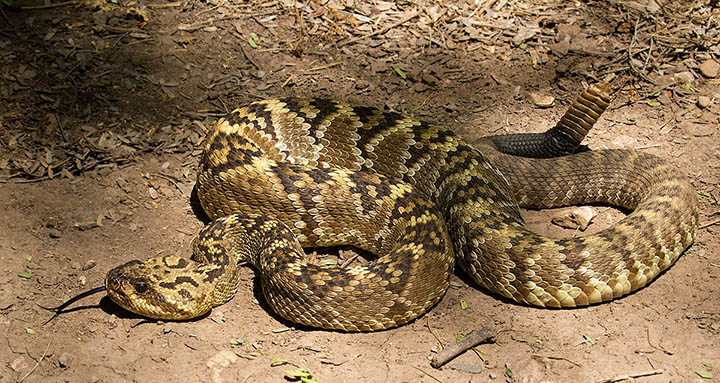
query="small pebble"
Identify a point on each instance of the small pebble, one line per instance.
(82, 226)
(218, 362)
(218, 316)
(703, 102)
(89, 265)
(624, 141)
(469, 368)
(709, 68)
(698, 130)
(428, 78)
(652, 6)
(578, 218)
(222, 359)
(64, 360)
(541, 100)
(560, 48)
(523, 35)
(361, 84)
(685, 77)
(153, 193)
(419, 87)
(529, 370)
(18, 364)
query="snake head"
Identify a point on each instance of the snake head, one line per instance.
(160, 288)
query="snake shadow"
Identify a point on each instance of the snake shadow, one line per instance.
(111, 308)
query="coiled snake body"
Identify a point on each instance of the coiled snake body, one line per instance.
(280, 174)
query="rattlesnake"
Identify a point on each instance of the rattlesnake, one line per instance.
(280, 174)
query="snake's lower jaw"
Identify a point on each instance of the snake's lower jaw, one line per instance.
(131, 287)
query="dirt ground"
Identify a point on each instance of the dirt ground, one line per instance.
(103, 104)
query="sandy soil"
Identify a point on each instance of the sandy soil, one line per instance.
(103, 104)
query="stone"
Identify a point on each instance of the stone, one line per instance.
(541, 100)
(685, 77)
(528, 370)
(218, 362)
(709, 68)
(652, 6)
(578, 218)
(18, 364)
(89, 265)
(698, 130)
(419, 87)
(624, 142)
(469, 368)
(703, 102)
(560, 48)
(523, 35)
(64, 360)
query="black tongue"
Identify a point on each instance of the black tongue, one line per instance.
(59, 309)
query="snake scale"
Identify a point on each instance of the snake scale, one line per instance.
(279, 175)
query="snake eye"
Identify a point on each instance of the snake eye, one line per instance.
(140, 287)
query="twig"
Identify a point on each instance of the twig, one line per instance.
(168, 5)
(427, 324)
(30, 180)
(45, 6)
(630, 53)
(323, 67)
(172, 180)
(287, 81)
(631, 377)
(207, 10)
(195, 26)
(656, 347)
(432, 377)
(649, 54)
(2, 12)
(715, 222)
(122, 29)
(349, 261)
(38, 362)
(247, 56)
(380, 31)
(561, 358)
(485, 7)
(647, 146)
(159, 54)
(471, 340)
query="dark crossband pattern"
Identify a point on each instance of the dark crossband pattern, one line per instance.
(279, 175)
